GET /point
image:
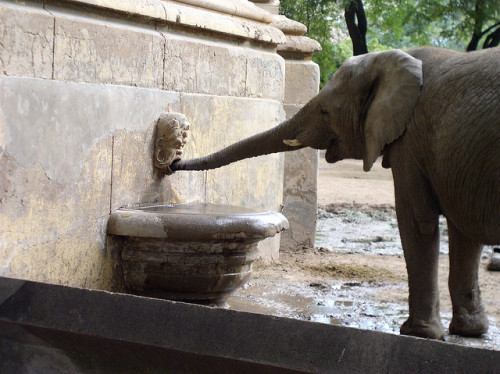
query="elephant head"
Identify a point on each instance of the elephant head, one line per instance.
(365, 106)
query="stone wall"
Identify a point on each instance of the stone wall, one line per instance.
(82, 83)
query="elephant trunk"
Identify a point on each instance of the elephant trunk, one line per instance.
(270, 141)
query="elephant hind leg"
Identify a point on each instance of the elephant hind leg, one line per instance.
(469, 318)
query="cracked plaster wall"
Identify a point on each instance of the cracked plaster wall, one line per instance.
(79, 97)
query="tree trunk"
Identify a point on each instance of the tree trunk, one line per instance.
(357, 30)
(477, 33)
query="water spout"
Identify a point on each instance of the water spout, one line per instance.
(172, 131)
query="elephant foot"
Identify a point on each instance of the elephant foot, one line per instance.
(422, 329)
(472, 325)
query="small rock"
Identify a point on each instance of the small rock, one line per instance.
(352, 284)
(319, 286)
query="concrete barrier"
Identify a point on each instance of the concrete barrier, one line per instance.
(56, 329)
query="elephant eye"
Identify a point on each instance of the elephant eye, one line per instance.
(324, 112)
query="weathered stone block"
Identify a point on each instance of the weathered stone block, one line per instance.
(206, 68)
(300, 197)
(135, 180)
(217, 122)
(70, 118)
(266, 76)
(195, 67)
(221, 121)
(87, 51)
(301, 167)
(52, 124)
(26, 41)
(54, 231)
(302, 81)
(69, 154)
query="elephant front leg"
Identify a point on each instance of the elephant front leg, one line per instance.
(469, 318)
(418, 226)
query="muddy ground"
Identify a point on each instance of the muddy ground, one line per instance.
(356, 275)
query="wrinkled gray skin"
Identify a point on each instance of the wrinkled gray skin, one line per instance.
(435, 117)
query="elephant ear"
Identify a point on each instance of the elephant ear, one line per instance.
(397, 79)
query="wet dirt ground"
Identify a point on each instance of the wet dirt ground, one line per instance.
(356, 275)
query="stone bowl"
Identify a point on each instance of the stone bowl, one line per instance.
(193, 252)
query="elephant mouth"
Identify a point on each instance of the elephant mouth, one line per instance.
(333, 152)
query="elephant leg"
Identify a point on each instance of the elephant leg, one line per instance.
(418, 218)
(469, 318)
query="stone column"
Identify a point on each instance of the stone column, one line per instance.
(301, 167)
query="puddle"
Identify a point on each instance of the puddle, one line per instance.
(371, 231)
(349, 304)
(378, 302)
(340, 303)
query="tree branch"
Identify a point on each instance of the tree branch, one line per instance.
(490, 28)
(493, 39)
(357, 31)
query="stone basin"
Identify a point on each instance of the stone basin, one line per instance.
(194, 252)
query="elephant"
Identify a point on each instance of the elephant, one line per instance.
(434, 117)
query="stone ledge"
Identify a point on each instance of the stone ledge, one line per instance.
(234, 18)
(240, 8)
(299, 44)
(229, 25)
(296, 46)
(288, 26)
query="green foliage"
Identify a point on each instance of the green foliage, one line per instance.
(375, 46)
(393, 24)
(321, 18)
(446, 23)
(325, 23)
